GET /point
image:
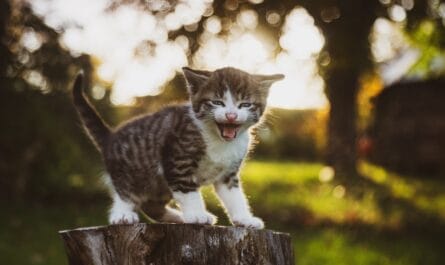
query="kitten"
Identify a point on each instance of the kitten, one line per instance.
(170, 154)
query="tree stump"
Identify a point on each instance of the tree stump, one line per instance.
(171, 244)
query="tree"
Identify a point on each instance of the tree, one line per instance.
(346, 26)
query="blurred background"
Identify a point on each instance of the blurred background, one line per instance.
(351, 161)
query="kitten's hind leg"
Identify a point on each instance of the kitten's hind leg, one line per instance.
(162, 213)
(172, 216)
(122, 212)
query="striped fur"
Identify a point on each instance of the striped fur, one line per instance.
(180, 148)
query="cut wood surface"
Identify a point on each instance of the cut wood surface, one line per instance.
(171, 244)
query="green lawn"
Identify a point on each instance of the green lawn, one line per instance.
(395, 220)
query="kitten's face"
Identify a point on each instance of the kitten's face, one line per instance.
(228, 101)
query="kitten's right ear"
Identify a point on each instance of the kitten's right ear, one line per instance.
(195, 78)
(267, 80)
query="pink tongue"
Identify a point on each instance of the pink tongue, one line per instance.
(229, 132)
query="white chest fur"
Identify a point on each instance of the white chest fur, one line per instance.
(222, 157)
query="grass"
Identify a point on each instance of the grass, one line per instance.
(348, 246)
(396, 220)
(29, 233)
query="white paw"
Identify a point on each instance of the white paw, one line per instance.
(199, 218)
(248, 221)
(123, 217)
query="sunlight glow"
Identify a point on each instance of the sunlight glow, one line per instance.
(326, 174)
(137, 57)
(273, 17)
(114, 37)
(300, 36)
(339, 191)
(397, 13)
(386, 39)
(213, 25)
(244, 49)
(147, 73)
(391, 50)
(248, 19)
(31, 40)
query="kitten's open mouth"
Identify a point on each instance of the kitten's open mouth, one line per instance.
(228, 130)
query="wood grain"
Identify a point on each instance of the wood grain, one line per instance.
(171, 244)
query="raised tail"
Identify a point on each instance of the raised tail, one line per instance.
(96, 128)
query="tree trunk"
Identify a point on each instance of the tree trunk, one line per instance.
(347, 44)
(342, 94)
(5, 12)
(170, 244)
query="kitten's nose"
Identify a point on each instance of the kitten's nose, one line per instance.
(231, 116)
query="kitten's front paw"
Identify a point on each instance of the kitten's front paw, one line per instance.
(248, 221)
(199, 218)
(123, 217)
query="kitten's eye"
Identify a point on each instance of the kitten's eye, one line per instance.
(245, 105)
(217, 103)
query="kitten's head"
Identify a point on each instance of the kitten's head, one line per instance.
(228, 101)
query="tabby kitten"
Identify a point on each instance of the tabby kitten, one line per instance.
(170, 154)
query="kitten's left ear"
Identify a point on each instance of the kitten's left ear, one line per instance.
(267, 80)
(195, 78)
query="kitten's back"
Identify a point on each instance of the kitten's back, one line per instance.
(143, 137)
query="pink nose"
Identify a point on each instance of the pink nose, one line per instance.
(231, 116)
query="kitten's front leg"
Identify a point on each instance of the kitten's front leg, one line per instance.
(122, 212)
(235, 202)
(193, 208)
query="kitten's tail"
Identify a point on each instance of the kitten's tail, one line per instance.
(96, 128)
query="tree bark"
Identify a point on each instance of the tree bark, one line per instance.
(171, 244)
(342, 94)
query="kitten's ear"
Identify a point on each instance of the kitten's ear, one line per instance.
(267, 80)
(195, 78)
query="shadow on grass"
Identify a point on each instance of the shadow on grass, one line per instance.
(411, 216)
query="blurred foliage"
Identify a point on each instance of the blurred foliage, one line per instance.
(428, 37)
(42, 148)
(292, 135)
(371, 86)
